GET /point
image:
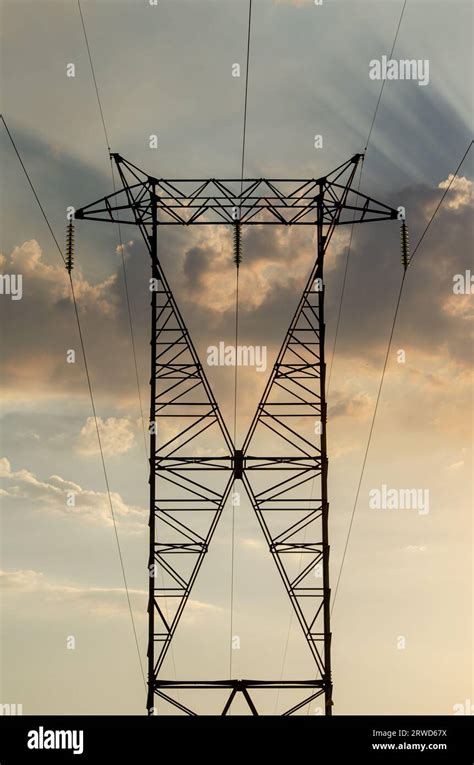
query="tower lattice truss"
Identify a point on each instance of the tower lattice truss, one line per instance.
(283, 461)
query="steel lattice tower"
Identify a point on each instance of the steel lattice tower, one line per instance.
(188, 492)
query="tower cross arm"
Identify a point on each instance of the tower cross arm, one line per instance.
(252, 201)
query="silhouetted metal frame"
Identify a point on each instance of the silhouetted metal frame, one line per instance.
(325, 203)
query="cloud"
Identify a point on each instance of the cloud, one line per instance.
(276, 263)
(124, 247)
(459, 307)
(53, 495)
(35, 354)
(429, 379)
(27, 259)
(358, 406)
(456, 466)
(431, 319)
(254, 544)
(116, 436)
(461, 193)
(98, 601)
(209, 271)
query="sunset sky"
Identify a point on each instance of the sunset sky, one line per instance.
(167, 70)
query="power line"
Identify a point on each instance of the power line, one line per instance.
(127, 296)
(106, 479)
(89, 385)
(384, 369)
(125, 279)
(244, 131)
(383, 81)
(132, 334)
(232, 554)
(32, 187)
(441, 200)
(339, 313)
(349, 248)
(237, 260)
(93, 76)
(344, 279)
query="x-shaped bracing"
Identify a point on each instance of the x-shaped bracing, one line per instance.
(283, 460)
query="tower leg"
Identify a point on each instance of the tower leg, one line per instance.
(152, 479)
(324, 463)
(188, 488)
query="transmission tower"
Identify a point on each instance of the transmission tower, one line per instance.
(284, 455)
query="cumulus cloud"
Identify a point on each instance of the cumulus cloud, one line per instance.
(98, 601)
(459, 307)
(116, 436)
(35, 353)
(208, 269)
(358, 406)
(198, 263)
(27, 259)
(461, 193)
(54, 496)
(124, 247)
